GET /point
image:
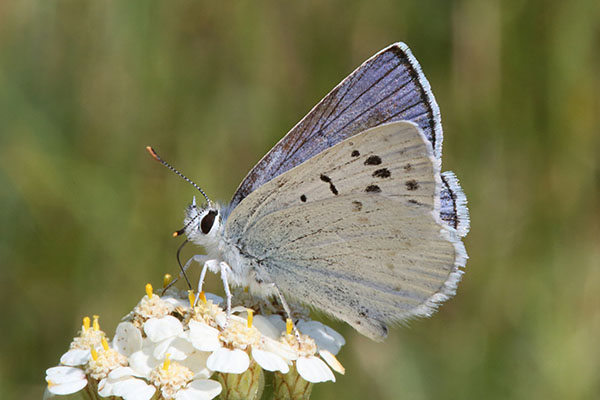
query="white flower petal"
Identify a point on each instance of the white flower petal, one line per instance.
(120, 386)
(266, 327)
(281, 349)
(177, 347)
(67, 387)
(203, 336)
(221, 319)
(158, 329)
(121, 383)
(64, 374)
(160, 349)
(325, 337)
(65, 380)
(332, 361)
(277, 322)
(269, 361)
(120, 372)
(201, 389)
(128, 339)
(196, 362)
(229, 361)
(142, 362)
(134, 389)
(105, 387)
(76, 357)
(314, 370)
(176, 301)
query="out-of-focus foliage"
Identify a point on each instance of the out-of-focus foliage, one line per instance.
(86, 215)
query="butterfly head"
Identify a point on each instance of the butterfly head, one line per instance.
(202, 225)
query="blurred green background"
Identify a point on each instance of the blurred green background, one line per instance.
(86, 215)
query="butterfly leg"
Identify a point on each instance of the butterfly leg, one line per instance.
(265, 279)
(212, 265)
(287, 309)
(199, 258)
(225, 269)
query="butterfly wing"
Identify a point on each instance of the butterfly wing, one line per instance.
(388, 87)
(453, 204)
(355, 231)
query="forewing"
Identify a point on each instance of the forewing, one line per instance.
(388, 87)
(355, 231)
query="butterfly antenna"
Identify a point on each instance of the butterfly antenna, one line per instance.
(182, 230)
(166, 164)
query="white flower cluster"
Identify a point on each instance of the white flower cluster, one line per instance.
(167, 349)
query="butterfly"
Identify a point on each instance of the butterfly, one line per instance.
(349, 212)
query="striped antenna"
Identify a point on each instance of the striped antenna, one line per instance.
(166, 164)
(182, 230)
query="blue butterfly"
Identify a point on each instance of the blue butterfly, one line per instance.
(349, 212)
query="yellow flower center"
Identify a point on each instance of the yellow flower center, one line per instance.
(240, 335)
(170, 379)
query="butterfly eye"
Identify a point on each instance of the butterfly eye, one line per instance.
(208, 221)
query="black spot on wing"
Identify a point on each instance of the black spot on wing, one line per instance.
(382, 173)
(373, 189)
(412, 185)
(355, 153)
(415, 202)
(332, 187)
(303, 198)
(373, 160)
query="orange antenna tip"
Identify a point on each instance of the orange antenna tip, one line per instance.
(153, 153)
(179, 232)
(188, 180)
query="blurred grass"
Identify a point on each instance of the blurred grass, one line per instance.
(85, 215)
